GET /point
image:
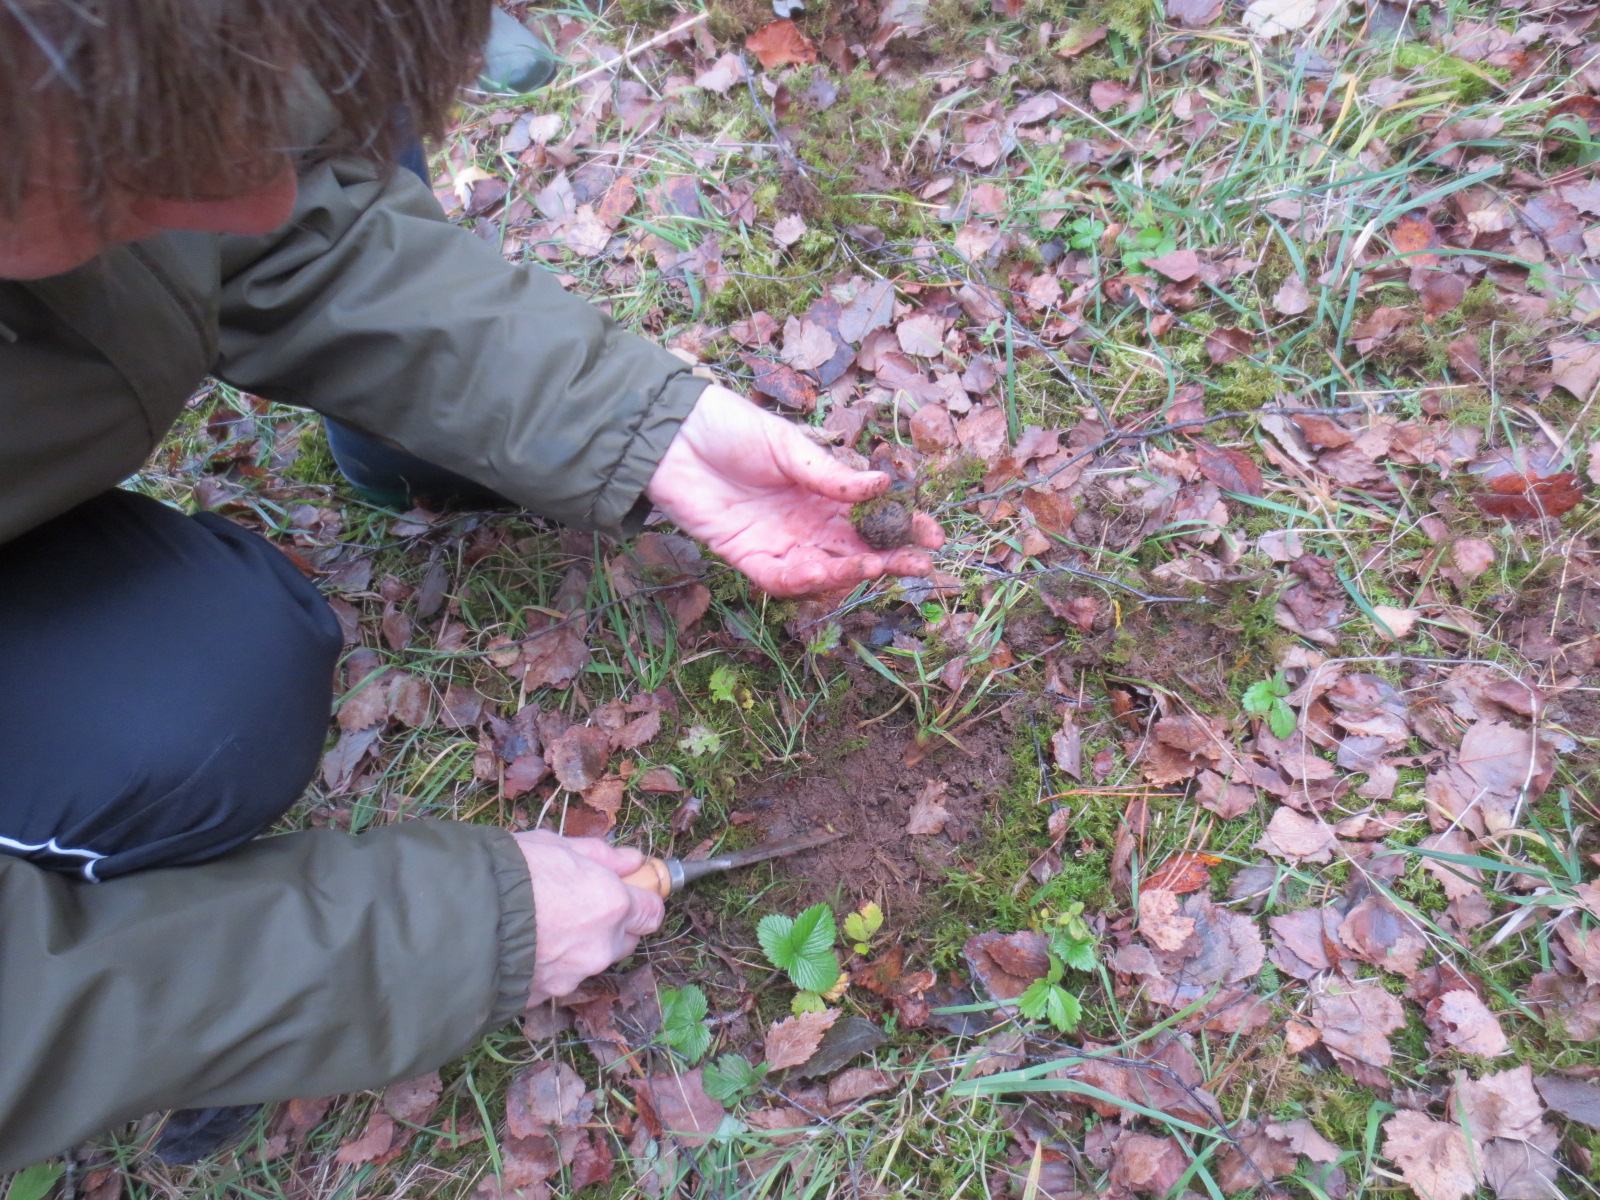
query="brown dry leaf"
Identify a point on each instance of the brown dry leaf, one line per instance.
(1226, 343)
(786, 231)
(579, 756)
(1433, 1156)
(1006, 963)
(591, 1163)
(1184, 873)
(1394, 623)
(1502, 1105)
(1178, 266)
(1377, 932)
(1231, 470)
(1159, 921)
(1194, 14)
(658, 779)
(1274, 1150)
(1376, 328)
(1297, 838)
(553, 654)
(1524, 1170)
(1292, 298)
(371, 1145)
(1355, 1020)
(1472, 556)
(1518, 497)
(544, 1096)
(1572, 1098)
(793, 1040)
(722, 74)
(412, 1101)
(922, 335)
(1462, 1020)
(806, 344)
(928, 814)
(1304, 946)
(1223, 797)
(1575, 365)
(1152, 1165)
(683, 1108)
(856, 1083)
(1106, 94)
(780, 44)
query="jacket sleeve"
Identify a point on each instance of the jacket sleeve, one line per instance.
(303, 965)
(371, 308)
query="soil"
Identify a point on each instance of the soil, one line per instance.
(867, 793)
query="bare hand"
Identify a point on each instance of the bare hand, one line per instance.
(585, 917)
(773, 503)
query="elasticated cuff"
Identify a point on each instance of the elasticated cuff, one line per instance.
(620, 508)
(514, 979)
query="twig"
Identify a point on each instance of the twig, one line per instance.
(777, 138)
(639, 49)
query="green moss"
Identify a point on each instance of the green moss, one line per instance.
(314, 464)
(1473, 84)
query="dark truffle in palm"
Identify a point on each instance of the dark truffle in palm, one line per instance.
(884, 523)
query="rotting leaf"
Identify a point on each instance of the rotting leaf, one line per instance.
(928, 813)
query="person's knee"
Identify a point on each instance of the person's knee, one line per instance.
(182, 671)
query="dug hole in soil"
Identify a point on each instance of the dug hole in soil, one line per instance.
(867, 794)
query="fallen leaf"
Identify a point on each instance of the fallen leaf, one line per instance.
(788, 230)
(553, 653)
(579, 756)
(1355, 1019)
(1194, 14)
(1143, 1163)
(928, 814)
(1519, 497)
(1106, 94)
(921, 335)
(1575, 365)
(1501, 1105)
(1462, 1020)
(1433, 1156)
(1289, 835)
(793, 1040)
(1472, 556)
(1270, 18)
(806, 344)
(683, 1107)
(544, 1096)
(1183, 873)
(780, 44)
(1006, 963)
(1159, 921)
(412, 1101)
(1292, 298)
(1177, 266)
(722, 74)
(371, 1145)
(1572, 1098)
(1394, 623)
(1226, 343)
(1231, 470)
(856, 1083)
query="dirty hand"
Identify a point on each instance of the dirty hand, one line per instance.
(585, 917)
(773, 503)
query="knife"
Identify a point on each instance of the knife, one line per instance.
(664, 876)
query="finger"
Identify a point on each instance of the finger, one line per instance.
(646, 911)
(624, 860)
(812, 467)
(826, 575)
(925, 531)
(907, 561)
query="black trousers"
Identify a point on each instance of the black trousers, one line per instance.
(165, 687)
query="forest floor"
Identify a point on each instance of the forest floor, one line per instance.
(1220, 818)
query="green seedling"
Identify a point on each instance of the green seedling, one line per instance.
(1083, 233)
(803, 948)
(725, 686)
(1047, 1000)
(1265, 698)
(34, 1183)
(1071, 939)
(683, 1014)
(860, 926)
(731, 1078)
(1150, 241)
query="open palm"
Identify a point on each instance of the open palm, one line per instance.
(773, 503)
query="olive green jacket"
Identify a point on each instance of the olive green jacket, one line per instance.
(310, 963)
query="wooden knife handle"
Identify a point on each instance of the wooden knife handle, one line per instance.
(652, 877)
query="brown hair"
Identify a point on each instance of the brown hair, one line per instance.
(193, 98)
